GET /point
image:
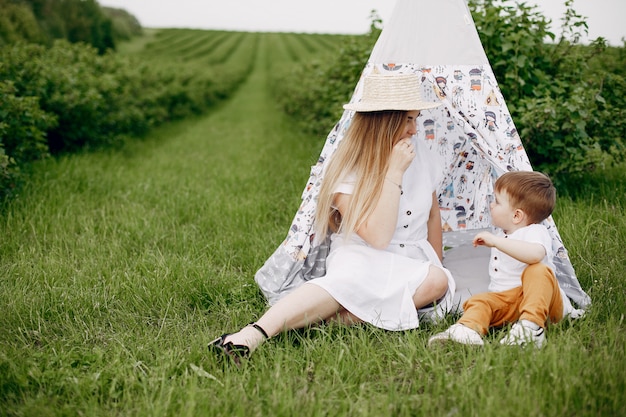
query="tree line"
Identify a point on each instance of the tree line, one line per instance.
(43, 21)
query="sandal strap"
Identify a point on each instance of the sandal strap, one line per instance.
(260, 329)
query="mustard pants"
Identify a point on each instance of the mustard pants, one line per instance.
(537, 300)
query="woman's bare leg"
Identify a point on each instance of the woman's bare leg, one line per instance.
(307, 304)
(345, 317)
(432, 289)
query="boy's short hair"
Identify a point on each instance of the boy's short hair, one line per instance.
(530, 191)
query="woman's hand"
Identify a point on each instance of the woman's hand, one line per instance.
(402, 155)
(378, 228)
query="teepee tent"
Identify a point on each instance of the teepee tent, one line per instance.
(472, 132)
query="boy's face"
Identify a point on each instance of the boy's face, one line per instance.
(502, 213)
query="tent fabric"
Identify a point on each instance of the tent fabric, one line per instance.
(473, 132)
(441, 32)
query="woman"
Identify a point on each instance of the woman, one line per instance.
(378, 200)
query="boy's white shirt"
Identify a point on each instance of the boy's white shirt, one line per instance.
(505, 272)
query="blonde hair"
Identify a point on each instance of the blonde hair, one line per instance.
(530, 191)
(364, 154)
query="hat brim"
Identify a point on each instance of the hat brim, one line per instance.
(380, 106)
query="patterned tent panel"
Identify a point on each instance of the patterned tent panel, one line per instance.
(466, 142)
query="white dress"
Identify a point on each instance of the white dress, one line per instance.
(376, 285)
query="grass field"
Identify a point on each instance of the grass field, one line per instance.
(117, 268)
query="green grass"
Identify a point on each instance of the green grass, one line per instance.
(117, 268)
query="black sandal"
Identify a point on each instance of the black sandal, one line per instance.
(232, 351)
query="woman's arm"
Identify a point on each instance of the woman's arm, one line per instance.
(435, 232)
(380, 226)
(378, 229)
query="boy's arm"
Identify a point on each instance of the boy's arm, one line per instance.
(527, 252)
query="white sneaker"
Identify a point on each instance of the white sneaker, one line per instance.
(457, 333)
(525, 332)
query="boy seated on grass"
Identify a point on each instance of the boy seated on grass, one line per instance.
(523, 288)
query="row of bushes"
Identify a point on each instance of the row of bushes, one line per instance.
(68, 98)
(568, 108)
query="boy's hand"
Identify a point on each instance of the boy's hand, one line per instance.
(527, 252)
(485, 239)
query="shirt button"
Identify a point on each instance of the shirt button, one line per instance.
(408, 212)
(401, 245)
(495, 258)
(495, 269)
(406, 226)
(401, 192)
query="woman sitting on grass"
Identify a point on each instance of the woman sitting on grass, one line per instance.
(378, 199)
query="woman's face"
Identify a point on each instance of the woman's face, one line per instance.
(410, 127)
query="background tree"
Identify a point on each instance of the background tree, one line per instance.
(43, 21)
(125, 25)
(569, 112)
(18, 24)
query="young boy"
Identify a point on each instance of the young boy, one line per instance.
(523, 288)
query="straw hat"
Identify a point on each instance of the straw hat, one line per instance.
(391, 92)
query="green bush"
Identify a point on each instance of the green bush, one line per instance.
(23, 125)
(68, 98)
(78, 86)
(569, 113)
(513, 36)
(574, 133)
(78, 21)
(98, 100)
(43, 21)
(8, 172)
(125, 25)
(18, 24)
(317, 105)
(313, 92)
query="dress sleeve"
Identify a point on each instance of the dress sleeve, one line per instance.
(347, 185)
(432, 162)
